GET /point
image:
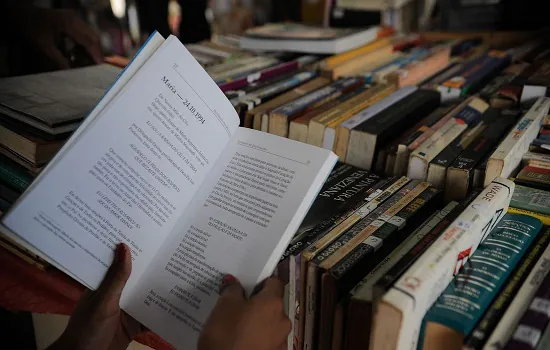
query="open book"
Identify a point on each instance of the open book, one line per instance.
(161, 165)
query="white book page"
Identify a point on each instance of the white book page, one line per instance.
(131, 175)
(240, 222)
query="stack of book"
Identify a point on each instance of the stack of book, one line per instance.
(431, 230)
(37, 115)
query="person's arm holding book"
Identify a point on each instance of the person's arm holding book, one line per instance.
(236, 323)
(41, 27)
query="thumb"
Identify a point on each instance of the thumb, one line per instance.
(231, 287)
(118, 273)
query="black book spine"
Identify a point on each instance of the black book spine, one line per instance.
(304, 241)
(433, 118)
(397, 118)
(388, 235)
(385, 283)
(481, 333)
(484, 143)
(455, 148)
(361, 225)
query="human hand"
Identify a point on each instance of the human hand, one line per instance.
(236, 323)
(42, 28)
(97, 322)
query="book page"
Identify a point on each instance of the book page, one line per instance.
(129, 177)
(240, 222)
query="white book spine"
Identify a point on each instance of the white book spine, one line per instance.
(414, 293)
(421, 157)
(507, 157)
(504, 329)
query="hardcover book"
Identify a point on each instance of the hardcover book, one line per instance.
(456, 312)
(492, 316)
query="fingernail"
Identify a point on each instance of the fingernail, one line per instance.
(121, 252)
(228, 279)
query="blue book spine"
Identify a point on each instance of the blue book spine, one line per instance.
(467, 297)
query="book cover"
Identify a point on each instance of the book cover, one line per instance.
(531, 199)
(480, 334)
(464, 301)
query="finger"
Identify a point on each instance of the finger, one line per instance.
(231, 287)
(118, 273)
(272, 287)
(56, 56)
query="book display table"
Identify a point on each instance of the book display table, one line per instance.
(24, 287)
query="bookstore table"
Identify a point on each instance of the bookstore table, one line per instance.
(24, 287)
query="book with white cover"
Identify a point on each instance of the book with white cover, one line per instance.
(507, 157)
(399, 313)
(302, 38)
(504, 329)
(161, 165)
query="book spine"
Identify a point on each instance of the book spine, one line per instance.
(337, 199)
(354, 218)
(492, 316)
(509, 321)
(364, 289)
(328, 261)
(416, 72)
(492, 88)
(418, 288)
(505, 160)
(534, 321)
(421, 157)
(317, 255)
(378, 107)
(545, 218)
(385, 237)
(16, 178)
(478, 282)
(323, 229)
(435, 229)
(301, 103)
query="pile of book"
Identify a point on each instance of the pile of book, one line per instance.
(431, 232)
(38, 113)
